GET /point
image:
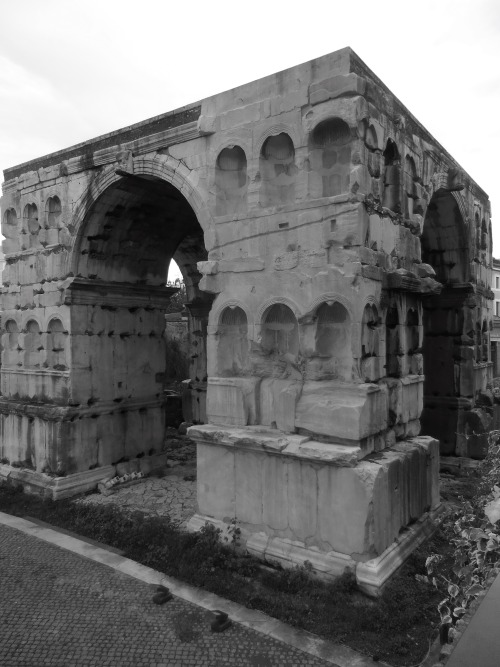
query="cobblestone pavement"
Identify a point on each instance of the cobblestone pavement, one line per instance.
(169, 492)
(62, 610)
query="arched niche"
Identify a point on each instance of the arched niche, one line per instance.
(53, 212)
(330, 158)
(392, 177)
(410, 186)
(232, 343)
(370, 332)
(332, 357)
(230, 180)
(277, 171)
(412, 331)
(32, 345)
(9, 224)
(392, 342)
(31, 224)
(280, 331)
(485, 341)
(10, 345)
(56, 345)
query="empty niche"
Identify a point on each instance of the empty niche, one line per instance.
(9, 227)
(56, 345)
(277, 170)
(53, 211)
(479, 341)
(232, 347)
(330, 157)
(280, 331)
(32, 345)
(230, 180)
(410, 186)
(31, 224)
(370, 339)
(485, 341)
(333, 340)
(392, 342)
(413, 332)
(10, 344)
(392, 177)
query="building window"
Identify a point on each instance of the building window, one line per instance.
(497, 283)
(497, 308)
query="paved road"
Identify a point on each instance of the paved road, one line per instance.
(60, 609)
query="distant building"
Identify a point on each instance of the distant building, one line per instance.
(2, 263)
(495, 334)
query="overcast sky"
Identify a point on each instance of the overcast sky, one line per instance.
(73, 69)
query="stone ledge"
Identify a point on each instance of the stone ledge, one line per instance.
(371, 575)
(68, 486)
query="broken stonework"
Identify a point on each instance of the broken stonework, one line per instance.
(337, 265)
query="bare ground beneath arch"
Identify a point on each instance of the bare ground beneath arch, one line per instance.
(169, 491)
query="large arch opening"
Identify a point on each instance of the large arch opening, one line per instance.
(118, 301)
(448, 344)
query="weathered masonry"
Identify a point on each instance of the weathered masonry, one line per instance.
(333, 253)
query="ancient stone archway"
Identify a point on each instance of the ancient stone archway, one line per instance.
(300, 201)
(456, 369)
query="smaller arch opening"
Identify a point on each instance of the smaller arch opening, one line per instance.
(53, 211)
(280, 331)
(56, 345)
(370, 332)
(330, 158)
(392, 177)
(413, 329)
(392, 342)
(230, 180)
(277, 171)
(9, 226)
(32, 345)
(232, 349)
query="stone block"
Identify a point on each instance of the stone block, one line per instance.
(341, 411)
(277, 403)
(216, 490)
(232, 401)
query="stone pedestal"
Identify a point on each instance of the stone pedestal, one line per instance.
(297, 499)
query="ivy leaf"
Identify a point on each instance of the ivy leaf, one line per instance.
(453, 590)
(492, 510)
(446, 620)
(459, 611)
(475, 589)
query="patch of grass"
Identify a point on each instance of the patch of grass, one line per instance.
(396, 627)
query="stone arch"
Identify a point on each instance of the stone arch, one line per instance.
(127, 231)
(330, 158)
(231, 180)
(164, 168)
(447, 344)
(277, 171)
